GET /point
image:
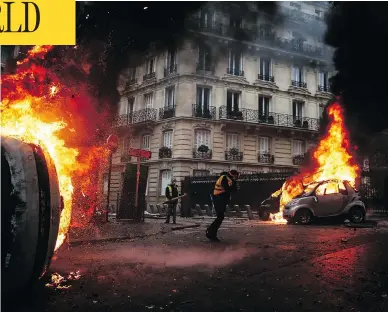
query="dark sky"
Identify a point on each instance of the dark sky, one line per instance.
(359, 31)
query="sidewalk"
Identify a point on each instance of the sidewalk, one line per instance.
(116, 230)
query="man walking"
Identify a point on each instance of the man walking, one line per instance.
(224, 187)
(172, 192)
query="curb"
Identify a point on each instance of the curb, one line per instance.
(115, 239)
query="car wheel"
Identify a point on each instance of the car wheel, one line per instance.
(303, 216)
(264, 215)
(357, 215)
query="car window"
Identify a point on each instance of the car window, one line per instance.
(342, 188)
(327, 188)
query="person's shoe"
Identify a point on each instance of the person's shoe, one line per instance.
(213, 238)
(167, 222)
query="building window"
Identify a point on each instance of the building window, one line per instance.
(169, 97)
(232, 141)
(151, 65)
(132, 74)
(321, 109)
(146, 142)
(233, 101)
(171, 59)
(203, 97)
(105, 187)
(205, 58)
(297, 74)
(235, 63)
(167, 139)
(201, 173)
(298, 147)
(265, 31)
(165, 179)
(206, 19)
(148, 100)
(264, 145)
(235, 22)
(323, 81)
(263, 106)
(202, 137)
(297, 110)
(318, 13)
(265, 69)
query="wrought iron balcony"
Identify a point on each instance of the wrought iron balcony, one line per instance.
(234, 155)
(234, 72)
(172, 69)
(202, 155)
(265, 77)
(131, 82)
(298, 160)
(125, 158)
(324, 88)
(149, 76)
(266, 158)
(276, 119)
(143, 115)
(165, 152)
(201, 68)
(167, 112)
(298, 84)
(204, 112)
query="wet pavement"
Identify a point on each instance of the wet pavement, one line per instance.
(257, 267)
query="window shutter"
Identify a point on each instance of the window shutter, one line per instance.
(229, 106)
(206, 98)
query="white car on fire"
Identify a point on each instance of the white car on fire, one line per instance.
(328, 198)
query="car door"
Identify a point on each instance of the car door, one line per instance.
(330, 201)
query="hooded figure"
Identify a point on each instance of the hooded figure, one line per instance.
(225, 186)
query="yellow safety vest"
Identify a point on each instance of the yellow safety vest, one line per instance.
(218, 189)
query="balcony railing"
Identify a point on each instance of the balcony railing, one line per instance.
(201, 68)
(172, 69)
(265, 77)
(298, 84)
(167, 112)
(233, 155)
(324, 88)
(149, 76)
(204, 112)
(266, 158)
(276, 119)
(298, 160)
(165, 152)
(202, 155)
(234, 72)
(143, 115)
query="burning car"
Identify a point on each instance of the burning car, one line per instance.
(327, 198)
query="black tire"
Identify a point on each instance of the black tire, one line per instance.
(356, 215)
(303, 217)
(264, 215)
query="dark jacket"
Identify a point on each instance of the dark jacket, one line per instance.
(230, 189)
(174, 192)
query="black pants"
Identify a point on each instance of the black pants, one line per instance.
(171, 211)
(220, 203)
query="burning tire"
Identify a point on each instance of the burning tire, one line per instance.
(356, 215)
(30, 214)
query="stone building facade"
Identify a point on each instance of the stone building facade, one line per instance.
(242, 94)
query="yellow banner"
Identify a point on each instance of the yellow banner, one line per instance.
(37, 22)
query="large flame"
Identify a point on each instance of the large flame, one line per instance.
(332, 159)
(35, 108)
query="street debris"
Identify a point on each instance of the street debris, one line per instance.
(59, 282)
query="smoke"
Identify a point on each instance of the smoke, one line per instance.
(358, 31)
(159, 257)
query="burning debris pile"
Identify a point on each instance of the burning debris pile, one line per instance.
(59, 282)
(43, 104)
(332, 159)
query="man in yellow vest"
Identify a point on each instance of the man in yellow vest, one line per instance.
(223, 189)
(172, 192)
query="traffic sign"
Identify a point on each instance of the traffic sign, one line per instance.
(135, 152)
(113, 143)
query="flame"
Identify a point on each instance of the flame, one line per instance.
(35, 108)
(332, 159)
